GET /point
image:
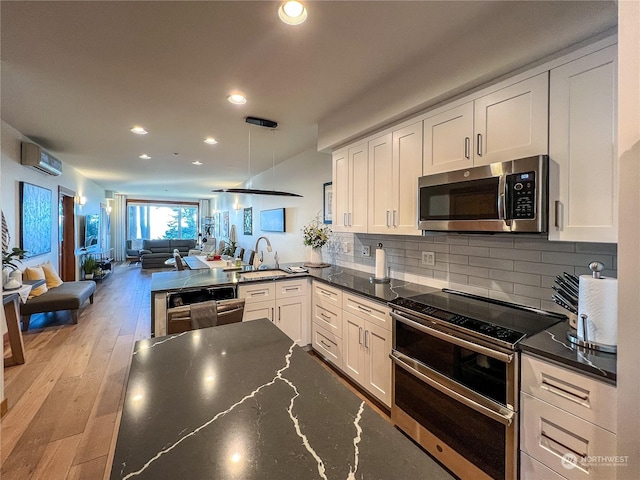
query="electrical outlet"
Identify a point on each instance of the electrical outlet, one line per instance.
(428, 259)
(366, 251)
(348, 247)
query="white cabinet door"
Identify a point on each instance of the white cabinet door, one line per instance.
(448, 140)
(381, 185)
(512, 122)
(353, 347)
(377, 370)
(340, 190)
(583, 200)
(407, 168)
(358, 180)
(292, 318)
(257, 310)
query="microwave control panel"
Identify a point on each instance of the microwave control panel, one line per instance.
(521, 192)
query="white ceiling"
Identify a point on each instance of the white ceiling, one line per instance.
(76, 76)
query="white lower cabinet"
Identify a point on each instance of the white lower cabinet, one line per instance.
(566, 424)
(287, 306)
(354, 334)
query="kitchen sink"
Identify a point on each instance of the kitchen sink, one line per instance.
(263, 275)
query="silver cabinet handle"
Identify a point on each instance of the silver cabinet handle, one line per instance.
(279, 314)
(328, 347)
(344, 219)
(563, 448)
(359, 335)
(258, 294)
(349, 218)
(291, 289)
(387, 218)
(394, 219)
(366, 337)
(365, 310)
(324, 315)
(479, 144)
(467, 143)
(556, 206)
(273, 318)
(498, 413)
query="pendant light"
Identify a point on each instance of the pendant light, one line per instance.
(254, 191)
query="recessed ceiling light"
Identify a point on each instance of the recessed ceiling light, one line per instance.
(139, 131)
(210, 141)
(144, 156)
(292, 13)
(197, 162)
(237, 99)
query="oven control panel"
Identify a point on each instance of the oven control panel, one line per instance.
(521, 194)
(463, 322)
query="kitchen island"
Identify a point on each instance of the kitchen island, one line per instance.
(242, 401)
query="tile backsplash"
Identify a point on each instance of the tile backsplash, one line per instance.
(512, 268)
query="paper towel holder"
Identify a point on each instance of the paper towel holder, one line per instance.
(385, 279)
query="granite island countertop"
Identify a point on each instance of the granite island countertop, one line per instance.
(552, 344)
(348, 279)
(242, 401)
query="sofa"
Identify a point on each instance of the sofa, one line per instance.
(68, 296)
(155, 252)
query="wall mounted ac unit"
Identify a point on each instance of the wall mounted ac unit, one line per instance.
(34, 156)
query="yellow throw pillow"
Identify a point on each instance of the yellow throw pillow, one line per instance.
(51, 276)
(35, 273)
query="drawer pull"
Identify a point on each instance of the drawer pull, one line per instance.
(565, 390)
(324, 315)
(258, 294)
(359, 335)
(291, 289)
(366, 337)
(324, 292)
(365, 310)
(564, 449)
(328, 347)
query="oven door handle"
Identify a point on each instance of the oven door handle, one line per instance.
(503, 357)
(503, 418)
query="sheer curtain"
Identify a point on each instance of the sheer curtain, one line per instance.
(119, 218)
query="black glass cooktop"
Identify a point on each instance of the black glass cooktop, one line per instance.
(495, 319)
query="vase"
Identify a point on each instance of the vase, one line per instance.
(16, 275)
(5, 275)
(316, 256)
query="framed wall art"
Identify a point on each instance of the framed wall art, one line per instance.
(35, 219)
(248, 221)
(225, 224)
(327, 204)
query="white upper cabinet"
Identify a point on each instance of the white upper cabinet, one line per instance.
(350, 167)
(395, 163)
(358, 168)
(512, 122)
(583, 197)
(380, 184)
(448, 140)
(503, 125)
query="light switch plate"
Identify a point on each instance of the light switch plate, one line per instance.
(428, 259)
(366, 251)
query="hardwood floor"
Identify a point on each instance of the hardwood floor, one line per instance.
(66, 400)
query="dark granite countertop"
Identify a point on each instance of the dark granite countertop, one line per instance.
(552, 344)
(345, 278)
(242, 401)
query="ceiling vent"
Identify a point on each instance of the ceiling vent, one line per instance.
(34, 156)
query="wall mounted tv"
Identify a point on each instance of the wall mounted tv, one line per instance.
(272, 220)
(92, 230)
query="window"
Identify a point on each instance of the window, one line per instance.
(157, 221)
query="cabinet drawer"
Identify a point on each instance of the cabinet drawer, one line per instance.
(258, 292)
(291, 288)
(579, 394)
(531, 469)
(368, 310)
(326, 292)
(328, 315)
(327, 345)
(256, 310)
(553, 436)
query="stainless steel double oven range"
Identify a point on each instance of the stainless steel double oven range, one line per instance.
(456, 378)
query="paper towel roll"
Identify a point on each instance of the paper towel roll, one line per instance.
(598, 299)
(381, 264)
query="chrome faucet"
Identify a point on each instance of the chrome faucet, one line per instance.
(259, 259)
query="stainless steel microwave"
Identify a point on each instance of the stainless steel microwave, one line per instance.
(508, 197)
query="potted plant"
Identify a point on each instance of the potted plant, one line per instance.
(316, 235)
(11, 262)
(89, 265)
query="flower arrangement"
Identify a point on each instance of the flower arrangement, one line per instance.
(316, 233)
